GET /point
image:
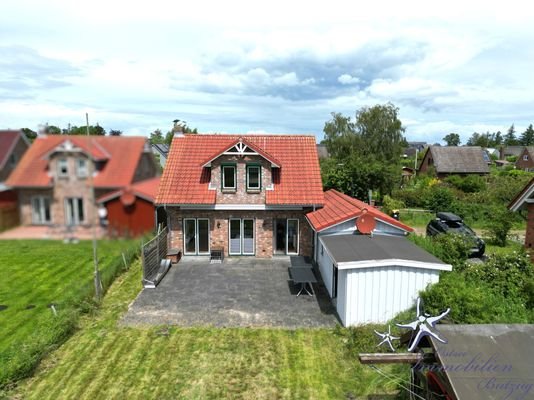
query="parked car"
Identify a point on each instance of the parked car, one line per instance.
(447, 222)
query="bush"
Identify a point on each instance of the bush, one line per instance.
(498, 225)
(438, 198)
(468, 184)
(472, 302)
(390, 204)
(450, 248)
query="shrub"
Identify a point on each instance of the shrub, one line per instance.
(450, 248)
(468, 184)
(499, 224)
(390, 204)
(438, 198)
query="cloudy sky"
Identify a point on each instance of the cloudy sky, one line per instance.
(274, 66)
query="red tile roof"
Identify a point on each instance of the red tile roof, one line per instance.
(121, 152)
(339, 207)
(184, 181)
(8, 140)
(147, 189)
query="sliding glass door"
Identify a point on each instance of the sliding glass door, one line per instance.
(241, 236)
(74, 212)
(41, 210)
(286, 236)
(196, 236)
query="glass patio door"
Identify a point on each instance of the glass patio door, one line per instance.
(196, 236)
(41, 210)
(74, 213)
(286, 236)
(241, 236)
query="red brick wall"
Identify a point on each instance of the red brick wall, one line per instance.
(219, 221)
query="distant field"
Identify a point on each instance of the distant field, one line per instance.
(103, 360)
(35, 274)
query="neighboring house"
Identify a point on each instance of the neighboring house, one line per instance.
(510, 151)
(247, 195)
(524, 201)
(492, 152)
(370, 270)
(414, 147)
(130, 211)
(454, 160)
(525, 161)
(52, 179)
(162, 152)
(13, 145)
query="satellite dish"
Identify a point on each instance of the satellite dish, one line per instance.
(366, 223)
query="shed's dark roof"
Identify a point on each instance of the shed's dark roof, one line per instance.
(460, 160)
(509, 345)
(353, 248)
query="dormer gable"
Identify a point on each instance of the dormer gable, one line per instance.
(241, 148)
(90, 148)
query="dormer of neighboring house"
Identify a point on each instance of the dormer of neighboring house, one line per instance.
(13, 145)
(525, 160)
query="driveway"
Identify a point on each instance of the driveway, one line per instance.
(241, 292)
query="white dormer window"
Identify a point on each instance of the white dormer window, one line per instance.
(228, 177)
(81, 168)
(525, 157)
(62, 167)
(253, 177)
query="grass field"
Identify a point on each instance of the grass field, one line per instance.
(105, 361)
(36, 274)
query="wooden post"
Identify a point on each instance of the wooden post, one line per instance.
(394, 358)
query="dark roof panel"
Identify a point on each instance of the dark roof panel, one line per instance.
(459, 160)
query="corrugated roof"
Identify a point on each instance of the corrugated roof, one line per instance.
(488, 362)
(339, 207)
(298, 181)
(356, 248)
(459, 159)
(121, 152)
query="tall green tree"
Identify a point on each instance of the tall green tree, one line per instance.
(510, 138)
(527, 137)
(452, 139)
(30, 135)
(95, 130)
(115, 132)
(340, 137)
(156, 137)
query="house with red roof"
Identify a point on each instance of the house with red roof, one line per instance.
(53, 178)
(13, 145)
(243, 194)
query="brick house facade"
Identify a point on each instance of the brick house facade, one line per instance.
(525, 160)
(53, 178)
(246, 195)
(524, 202)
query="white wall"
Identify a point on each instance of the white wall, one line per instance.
(350, 226)
(325, 267)
(375, 295)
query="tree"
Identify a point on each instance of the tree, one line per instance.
(156, 137)
(497, 139)
(340, 136)
(452, 139)
(510, 139)
(96, 130)
(30, 135)
(115, 132)
(51, 130)
(527, 137)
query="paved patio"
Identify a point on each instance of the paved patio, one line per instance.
(51, 232)
(241, 292)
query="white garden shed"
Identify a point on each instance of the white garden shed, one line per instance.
(372, 278)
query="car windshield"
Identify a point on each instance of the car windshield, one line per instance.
(458, 227)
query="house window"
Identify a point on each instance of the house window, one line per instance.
(62, 167)
(81, 168)
(74, 212)
(229, 177)
(253, 177)
(41, 210)
(335, 276)
(525, 157)
(12, 160)
(196, 236)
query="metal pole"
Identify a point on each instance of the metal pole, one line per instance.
(415, 164)
(98, 282)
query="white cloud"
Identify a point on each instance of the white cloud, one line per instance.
(347, 79)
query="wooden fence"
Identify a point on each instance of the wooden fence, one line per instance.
(9, 216)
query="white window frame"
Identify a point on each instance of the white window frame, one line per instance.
(60, 163)
(196, 252)
(223, 180)
(525, 157)
(82, 172)
(41, 199)
(242, 236)
(76, 211)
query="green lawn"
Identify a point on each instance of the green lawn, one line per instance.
(106, 361)
(35, 274)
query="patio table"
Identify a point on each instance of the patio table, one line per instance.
(304, 276)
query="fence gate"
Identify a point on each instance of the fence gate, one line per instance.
(155, 264)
